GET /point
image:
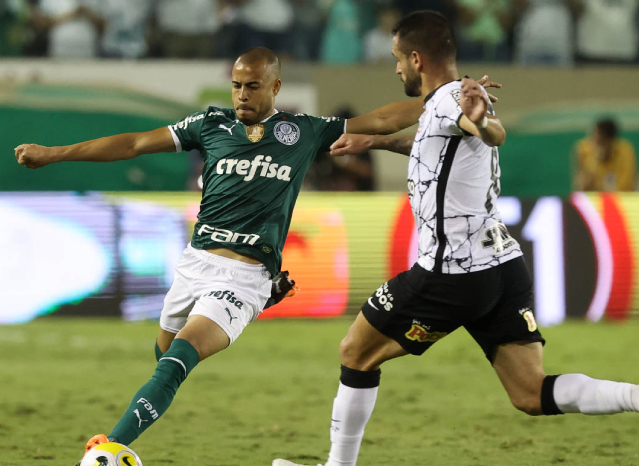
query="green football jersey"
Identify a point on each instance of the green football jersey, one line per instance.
(252, 176)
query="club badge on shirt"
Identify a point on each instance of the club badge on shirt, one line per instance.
(255, 133)
(287, 133)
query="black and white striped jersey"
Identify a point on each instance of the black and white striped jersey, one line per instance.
(453, 186)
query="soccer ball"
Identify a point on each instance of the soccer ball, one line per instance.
(111, 454)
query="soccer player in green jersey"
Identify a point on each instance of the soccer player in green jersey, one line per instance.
(255, 159)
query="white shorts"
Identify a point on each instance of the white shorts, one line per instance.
(230, 293)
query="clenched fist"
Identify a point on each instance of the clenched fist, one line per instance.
(33, 155)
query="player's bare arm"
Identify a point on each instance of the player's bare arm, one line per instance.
(476, 119)
(397, 116)
(107, 149)
(361, 143)
(388, 119)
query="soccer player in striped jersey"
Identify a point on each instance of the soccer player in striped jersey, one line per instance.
(470, 272)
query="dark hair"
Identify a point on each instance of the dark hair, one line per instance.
(607, 127)
(427, 32)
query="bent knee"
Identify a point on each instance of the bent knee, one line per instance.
(353, 356)
(530, 404)
(349, 355)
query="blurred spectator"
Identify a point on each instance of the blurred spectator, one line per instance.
(544, 33)
(266, 23)
(482, 29)
(307, 30)
(445, 7)
(347, 173)
(14, 15)
(378, 41)
(604, 162)
(607, 30)
(187, 28)
(72, 26)
(342, 40)
(229, 43)
(127, 24)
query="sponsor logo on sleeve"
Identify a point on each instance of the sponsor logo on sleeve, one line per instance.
(456, 94)
(187, 121)
(411, 187)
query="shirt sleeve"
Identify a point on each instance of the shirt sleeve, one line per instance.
(186, 132)
(448, 113)
(327, 131)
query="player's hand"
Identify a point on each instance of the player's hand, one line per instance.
(33, 155)
(473, 101)
(351, 144)
(485, 83)
(283, 287)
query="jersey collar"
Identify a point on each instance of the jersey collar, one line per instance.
(432, 93)
(276, 111)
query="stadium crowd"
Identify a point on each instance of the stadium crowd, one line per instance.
(527, 32)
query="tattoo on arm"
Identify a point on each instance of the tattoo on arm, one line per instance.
(401, 145)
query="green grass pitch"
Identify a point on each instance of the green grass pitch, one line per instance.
(270, 395)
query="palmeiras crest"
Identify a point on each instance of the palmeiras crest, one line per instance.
(287, 133)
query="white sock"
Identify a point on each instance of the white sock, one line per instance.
(577, 393)
(352, 408)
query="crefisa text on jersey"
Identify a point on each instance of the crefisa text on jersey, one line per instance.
(248, 169)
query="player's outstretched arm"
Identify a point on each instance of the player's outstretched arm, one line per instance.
(107, 149)
(475, 118)
(397, 116)
(388, 119)
(360, 143)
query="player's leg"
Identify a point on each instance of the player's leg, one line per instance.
(519, 367)
(408, 314)
(221, 297)
(511, 341)
(362, 352)
(200, 338)
(163, 342)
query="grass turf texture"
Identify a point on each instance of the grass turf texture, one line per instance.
(270, 395)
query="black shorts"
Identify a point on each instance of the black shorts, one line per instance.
(417, 307)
